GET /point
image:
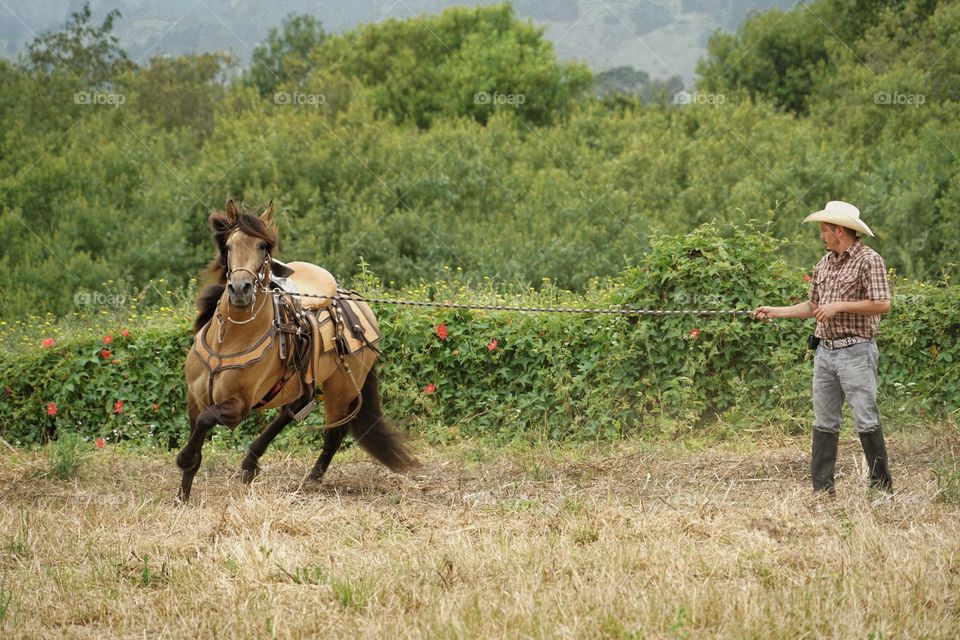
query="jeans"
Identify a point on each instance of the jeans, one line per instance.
(849, 373)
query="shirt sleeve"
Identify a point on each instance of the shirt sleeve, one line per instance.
(874, 279)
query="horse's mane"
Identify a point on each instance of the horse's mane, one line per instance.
(221, 226)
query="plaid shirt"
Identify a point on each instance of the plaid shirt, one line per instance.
(856, 274)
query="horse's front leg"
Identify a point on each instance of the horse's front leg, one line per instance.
(250, 466)
(229, 413)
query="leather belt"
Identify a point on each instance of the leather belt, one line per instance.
(844, 342)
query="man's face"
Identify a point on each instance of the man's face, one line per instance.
(832, 237)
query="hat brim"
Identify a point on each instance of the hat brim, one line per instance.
(834, 218)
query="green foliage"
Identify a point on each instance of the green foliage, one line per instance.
(111, 386)
(508, 375)
(466, 61)
(777, 55)
(402, 164)
(179, 92)
(80, 49)
(948, 481)
(621, 83)
(456, 150)
(64, 456)
(285, 56)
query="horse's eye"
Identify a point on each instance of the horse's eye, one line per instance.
(263, 246)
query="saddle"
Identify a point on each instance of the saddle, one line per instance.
(341, 324)
(311, 279)
(330, 320)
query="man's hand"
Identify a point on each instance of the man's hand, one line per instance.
(826, 311)
(764, 313)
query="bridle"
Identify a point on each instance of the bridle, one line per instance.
(261, 282)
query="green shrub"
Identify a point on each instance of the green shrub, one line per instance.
(540, 376)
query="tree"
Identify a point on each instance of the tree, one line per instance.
(776, 55)
(80, 49)
(465, 61)
(284, 57)
(180, 92)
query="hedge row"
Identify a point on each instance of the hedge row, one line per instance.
(510, 374)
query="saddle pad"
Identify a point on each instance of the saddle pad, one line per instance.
(352, 312)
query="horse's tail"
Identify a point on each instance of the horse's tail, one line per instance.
(207, 301)
(374, 435)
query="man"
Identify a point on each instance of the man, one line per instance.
(848, 294)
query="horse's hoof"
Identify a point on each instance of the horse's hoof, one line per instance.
(247, 475)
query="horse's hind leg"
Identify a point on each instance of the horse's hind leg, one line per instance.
(337, 405)
(230, 412)
(332, 438)
(250, 464)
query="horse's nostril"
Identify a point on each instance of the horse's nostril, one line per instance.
(246, 288)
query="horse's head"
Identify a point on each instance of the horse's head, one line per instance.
(245, 242)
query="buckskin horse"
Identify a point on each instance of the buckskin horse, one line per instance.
(258, 347)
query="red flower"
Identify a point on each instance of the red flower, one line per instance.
(694, 333)
(156, 407)
(105, 354)
(807, 277)
(430, 389)
(492, 345)
(101, 443)
(51, 408)
(118, 407)
(442, 331)
(107, 339)
(47, 343)
(125, 333)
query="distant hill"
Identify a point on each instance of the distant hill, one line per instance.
(663, 38)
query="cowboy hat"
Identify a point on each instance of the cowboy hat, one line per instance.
(841, 213)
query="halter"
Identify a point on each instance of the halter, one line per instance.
(260, 282)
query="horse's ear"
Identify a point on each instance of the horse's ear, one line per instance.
(231, 210)
(267, 216)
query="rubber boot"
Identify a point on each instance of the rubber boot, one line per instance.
(875, 450)
(823, 460)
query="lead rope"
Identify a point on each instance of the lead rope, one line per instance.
(493, 307)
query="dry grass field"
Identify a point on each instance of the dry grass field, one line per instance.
(619, 541)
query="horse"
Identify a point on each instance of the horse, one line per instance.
(254, 350)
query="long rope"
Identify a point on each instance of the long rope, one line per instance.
(499, 307)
